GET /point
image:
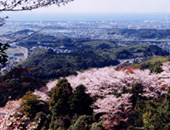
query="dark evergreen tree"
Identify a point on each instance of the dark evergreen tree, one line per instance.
(136, 90)
(60, 97)
(80, 102)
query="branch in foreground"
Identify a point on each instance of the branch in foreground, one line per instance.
(23, 38)
(21, 5)
(5, 46)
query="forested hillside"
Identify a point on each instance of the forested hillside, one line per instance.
(93, 65)
(50, 65)
(109, 98)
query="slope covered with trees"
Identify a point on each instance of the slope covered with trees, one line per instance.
(83, 55)
(100, 99)
(50, 65)
(127, 98)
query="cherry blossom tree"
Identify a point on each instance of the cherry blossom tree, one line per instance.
(108, 82)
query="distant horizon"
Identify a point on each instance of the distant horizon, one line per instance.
(117, 17)
(97, 10)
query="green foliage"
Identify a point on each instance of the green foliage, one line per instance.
(54, 41)
(64, 104)
(124, 54)
(97, 126)
(153, 67)
(12, 88)
(51, 65)
(31, 104)
(66, 107)
(99, 44)
(153, 64)
(3, 55)
(84, 55)
(59, 122)
(134, 128)
(83, 123)
(151, 115)
(156, 68)
(41, 119)
(155, 50)
(60, 97)
(80, 102)
(136, 90)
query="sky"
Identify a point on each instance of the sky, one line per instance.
(97, 10)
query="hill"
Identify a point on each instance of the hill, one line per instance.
(51, 65)
(125, 98)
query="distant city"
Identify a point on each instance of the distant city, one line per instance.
(121, 33)
(96, 30)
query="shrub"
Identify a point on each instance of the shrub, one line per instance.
(82, 123)
(30, 104)
(60, 97)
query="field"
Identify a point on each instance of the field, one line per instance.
(13, 51)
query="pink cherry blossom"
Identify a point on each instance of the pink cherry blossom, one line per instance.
(108, 82)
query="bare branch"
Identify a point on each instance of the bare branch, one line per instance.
(2, 20)
(23, 38)
(21, 5)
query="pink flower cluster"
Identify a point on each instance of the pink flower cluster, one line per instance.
(116, 109)
(108, 82)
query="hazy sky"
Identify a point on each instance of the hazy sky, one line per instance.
(97, 7)
(113, 6)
